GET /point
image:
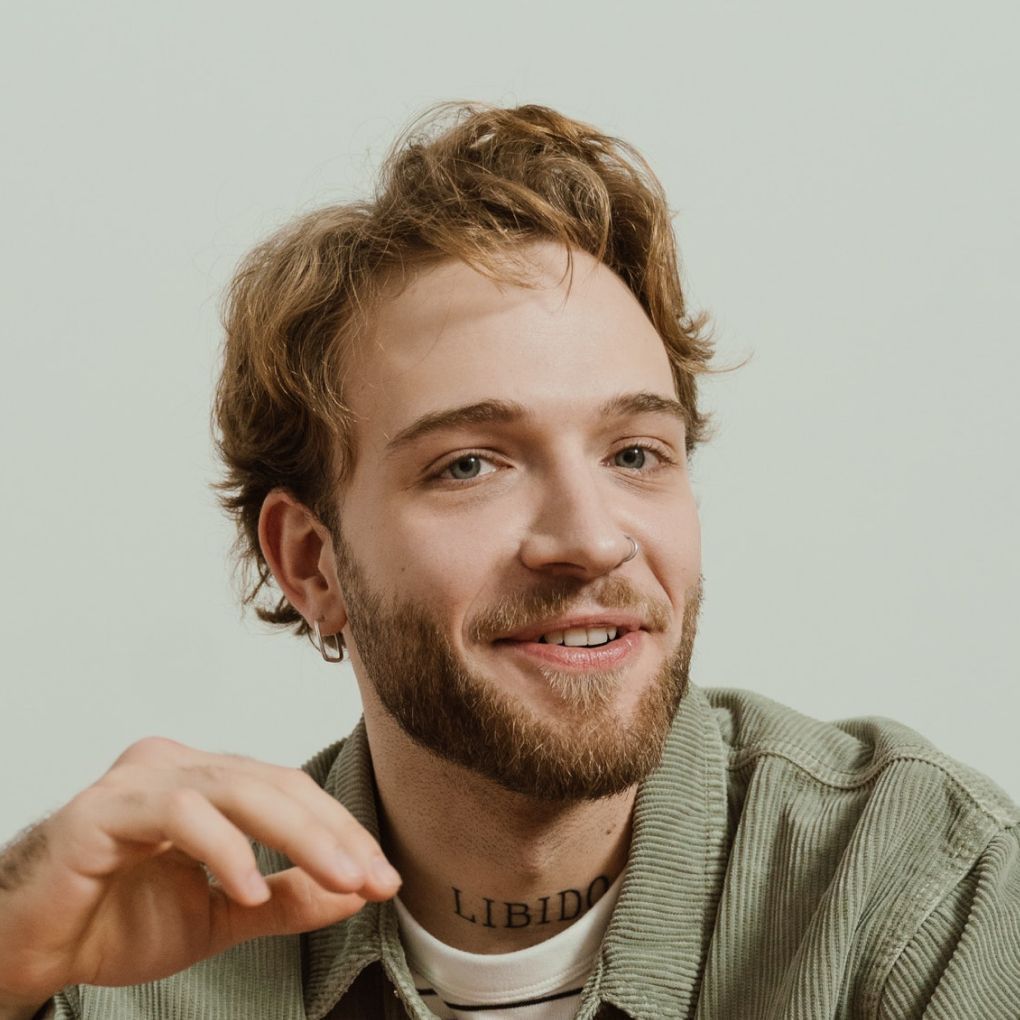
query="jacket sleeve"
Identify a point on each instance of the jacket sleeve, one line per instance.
(965, 960)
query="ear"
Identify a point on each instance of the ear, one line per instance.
(299, 550)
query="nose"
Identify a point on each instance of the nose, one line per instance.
(576, 531)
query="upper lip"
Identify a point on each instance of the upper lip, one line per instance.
(622, 621)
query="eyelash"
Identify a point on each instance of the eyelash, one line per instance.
(648, 447)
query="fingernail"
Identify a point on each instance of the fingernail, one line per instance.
(256, 886)
(385, 872)
(348, 868)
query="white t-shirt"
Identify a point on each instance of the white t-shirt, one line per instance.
(542, 982)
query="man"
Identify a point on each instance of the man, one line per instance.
(456, 424)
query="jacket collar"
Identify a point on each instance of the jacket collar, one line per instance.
(653, 953)
(654, 950)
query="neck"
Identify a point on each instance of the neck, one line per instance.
(487, 870)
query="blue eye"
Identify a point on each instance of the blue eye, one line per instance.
(465, 467)
(468, 467)
(632, 457)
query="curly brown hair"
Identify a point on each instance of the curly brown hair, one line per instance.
(464, 181)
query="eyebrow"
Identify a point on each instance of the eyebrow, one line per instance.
(485, 412)
(505, 412)
(642, 403)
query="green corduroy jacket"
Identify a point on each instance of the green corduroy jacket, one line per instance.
(780, 867)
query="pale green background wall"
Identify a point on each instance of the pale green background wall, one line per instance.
(846, 182)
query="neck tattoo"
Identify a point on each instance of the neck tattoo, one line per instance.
(559, 908)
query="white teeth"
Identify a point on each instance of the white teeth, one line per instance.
(578, 637)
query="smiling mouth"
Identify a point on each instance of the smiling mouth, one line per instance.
(580, 637)
(578, 649)
(577, 639)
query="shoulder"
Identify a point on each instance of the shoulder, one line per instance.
(964, 958)
(910, 856)
(863, 753)
(260, 978)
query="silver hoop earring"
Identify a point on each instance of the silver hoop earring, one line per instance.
(633, 550)
(335, 654)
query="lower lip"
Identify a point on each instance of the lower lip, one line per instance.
(608, 656)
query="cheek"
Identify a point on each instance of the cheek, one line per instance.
(691, 544)
(678, 542)
(436, 561)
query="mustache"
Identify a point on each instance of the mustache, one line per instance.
(528, 608)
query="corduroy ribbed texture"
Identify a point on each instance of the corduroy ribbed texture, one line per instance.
(781, 868)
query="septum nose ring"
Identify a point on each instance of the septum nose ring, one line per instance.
(633, 550)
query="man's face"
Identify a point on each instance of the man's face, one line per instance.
(508, 440)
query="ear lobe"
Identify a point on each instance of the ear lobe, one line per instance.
(299, 551)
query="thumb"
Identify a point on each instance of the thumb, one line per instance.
(297, 903)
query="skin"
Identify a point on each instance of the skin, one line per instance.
(549, 503)
(110, 889)
(113, 888)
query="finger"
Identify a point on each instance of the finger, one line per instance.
(188, 821)
(297, 904)
(337, 852)
(210, 773)
(299, 786)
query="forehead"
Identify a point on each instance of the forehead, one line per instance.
(453, 337)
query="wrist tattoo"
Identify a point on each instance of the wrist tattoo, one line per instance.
(566, 905)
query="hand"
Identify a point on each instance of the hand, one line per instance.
(113, 888)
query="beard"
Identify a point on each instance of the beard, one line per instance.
(586, 753)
